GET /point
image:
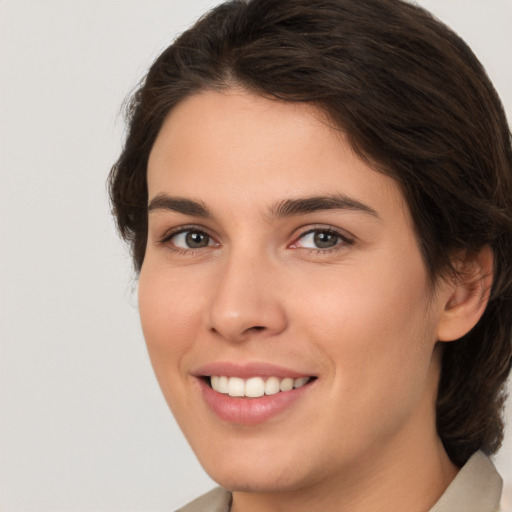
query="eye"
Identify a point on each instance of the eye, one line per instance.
(190, 239)
(320, 239)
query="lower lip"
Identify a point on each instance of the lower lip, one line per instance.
(250, 411)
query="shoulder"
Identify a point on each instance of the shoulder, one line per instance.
(217, 500)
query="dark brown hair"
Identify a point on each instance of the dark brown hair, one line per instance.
(414, 102)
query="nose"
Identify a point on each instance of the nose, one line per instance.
(247, 300)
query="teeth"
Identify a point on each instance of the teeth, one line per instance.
(223, 385)
(236, 387)
(297, 383)
(286, 384)
(255, 386)
(272, 386)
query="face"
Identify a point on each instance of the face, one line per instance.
(283, 298)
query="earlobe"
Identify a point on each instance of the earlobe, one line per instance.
(467, 294)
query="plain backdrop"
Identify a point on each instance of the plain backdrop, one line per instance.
(83, 426)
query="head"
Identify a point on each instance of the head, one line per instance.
(414, 104)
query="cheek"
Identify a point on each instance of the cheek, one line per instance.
(374, 301)
(169, 317)
(376, 331)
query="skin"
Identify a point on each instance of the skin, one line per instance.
(360, 315)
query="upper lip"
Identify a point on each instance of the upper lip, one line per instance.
(247, 370)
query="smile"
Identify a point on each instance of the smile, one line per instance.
(252, 393)
(255, 387)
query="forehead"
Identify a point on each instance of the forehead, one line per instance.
(240, 147)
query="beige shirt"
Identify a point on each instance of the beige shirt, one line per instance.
(476, 488)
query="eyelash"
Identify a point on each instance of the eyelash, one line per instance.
(166, 239)
(343, 239)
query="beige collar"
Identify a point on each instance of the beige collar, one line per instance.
(476, 488)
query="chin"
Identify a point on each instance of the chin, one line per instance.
(253, 475)
(256, 483)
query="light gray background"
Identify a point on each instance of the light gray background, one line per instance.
(83, 426)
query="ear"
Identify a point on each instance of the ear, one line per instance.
(466, 295)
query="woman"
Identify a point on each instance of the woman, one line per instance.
(317, 197)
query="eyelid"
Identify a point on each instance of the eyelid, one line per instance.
(169, 234)
(346, 238)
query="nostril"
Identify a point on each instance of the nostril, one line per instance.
(255, 328)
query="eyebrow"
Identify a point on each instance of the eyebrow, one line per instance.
(287, 208)
(303, 206)
(179, 205)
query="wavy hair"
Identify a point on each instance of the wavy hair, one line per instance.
(414, 102)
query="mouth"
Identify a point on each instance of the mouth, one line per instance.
(252, 394)
(254, 387)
